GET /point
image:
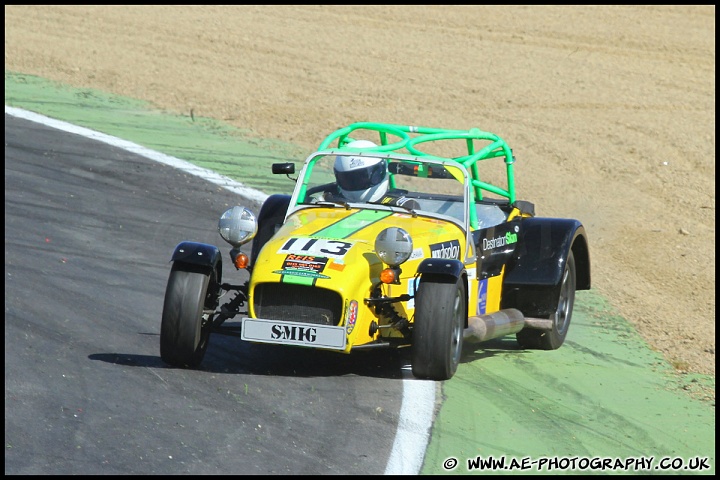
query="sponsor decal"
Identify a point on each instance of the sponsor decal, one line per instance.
(301, 273)
(449, 249)
(482, 297)
(303, 266)
(351, 316)
(500, 241)
(305, 262)
(315, 246)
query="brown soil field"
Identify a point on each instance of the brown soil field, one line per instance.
(610, 110)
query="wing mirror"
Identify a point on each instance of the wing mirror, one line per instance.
(283, 168)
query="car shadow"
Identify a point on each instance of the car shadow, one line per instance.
(233, 356)
(230, 355)
(490, 348)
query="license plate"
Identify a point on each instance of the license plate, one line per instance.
(293, 333)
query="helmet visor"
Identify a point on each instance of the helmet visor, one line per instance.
(362, 178)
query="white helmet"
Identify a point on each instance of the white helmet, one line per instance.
(361, 179)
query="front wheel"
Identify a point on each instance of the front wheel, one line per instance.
(185, 328)
(440, 317)
(555, 337)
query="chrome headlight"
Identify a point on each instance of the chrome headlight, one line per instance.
(394, 246)
(237, 226)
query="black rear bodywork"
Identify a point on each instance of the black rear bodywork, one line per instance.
(535, 266)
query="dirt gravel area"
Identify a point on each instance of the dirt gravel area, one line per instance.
(610, 110)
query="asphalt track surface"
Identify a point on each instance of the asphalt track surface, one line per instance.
(89, 230)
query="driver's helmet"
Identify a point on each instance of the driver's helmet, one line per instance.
(361, 178)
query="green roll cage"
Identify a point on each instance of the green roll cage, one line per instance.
(412, 136)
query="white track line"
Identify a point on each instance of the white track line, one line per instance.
(414, 425)
(188, 167)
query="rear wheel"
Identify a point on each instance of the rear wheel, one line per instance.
(185, 328)
(440, 317)
(552, 339)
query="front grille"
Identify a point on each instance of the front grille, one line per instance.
(297, 303)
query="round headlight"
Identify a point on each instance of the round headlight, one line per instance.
(393, 245)
(237, 226)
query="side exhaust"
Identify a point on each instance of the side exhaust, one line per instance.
(501, 323)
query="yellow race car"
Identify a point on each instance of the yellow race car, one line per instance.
(394, 236)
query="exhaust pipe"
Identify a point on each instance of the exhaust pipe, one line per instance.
(501, 323)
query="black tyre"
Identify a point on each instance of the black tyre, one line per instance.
(440, 318)
(185, 329)
(554, 338)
